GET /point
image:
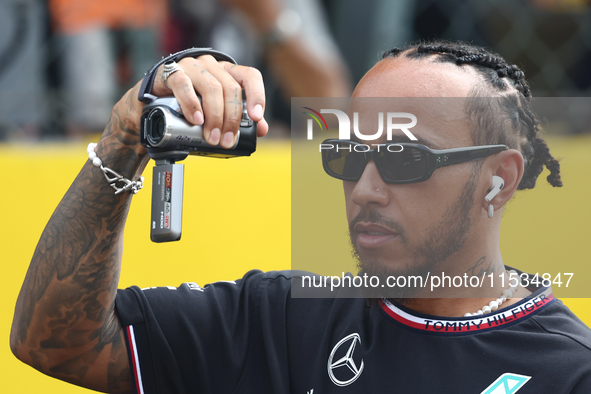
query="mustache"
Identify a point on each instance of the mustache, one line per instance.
(373, 216)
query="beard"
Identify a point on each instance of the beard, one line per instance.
(445, 238)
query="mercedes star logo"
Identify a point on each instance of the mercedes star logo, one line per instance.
(345, 367)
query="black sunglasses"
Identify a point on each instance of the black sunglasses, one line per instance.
(396, 162)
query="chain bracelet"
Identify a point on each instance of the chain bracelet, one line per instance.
(114, 177)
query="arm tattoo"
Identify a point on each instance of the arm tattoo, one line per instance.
(66, 305)
(130, 98)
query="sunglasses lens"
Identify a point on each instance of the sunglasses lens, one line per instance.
(407, 165)
(344, 164)
(349, 161)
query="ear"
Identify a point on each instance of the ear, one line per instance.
(509, 166)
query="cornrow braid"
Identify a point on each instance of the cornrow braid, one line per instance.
(511, 110)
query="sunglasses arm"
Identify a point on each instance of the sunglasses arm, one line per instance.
(450, 157)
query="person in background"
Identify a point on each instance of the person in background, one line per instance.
(288, 40)
(22, 86)
(89, 32)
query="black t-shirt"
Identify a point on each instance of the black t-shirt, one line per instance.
(251, 336)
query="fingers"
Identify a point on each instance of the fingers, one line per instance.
(181, 86)
(262, 128)
(220, 85)
(210, 79)
(251, 80)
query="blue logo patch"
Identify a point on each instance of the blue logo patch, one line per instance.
(507, 383)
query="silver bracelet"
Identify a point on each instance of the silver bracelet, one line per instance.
(113, 177)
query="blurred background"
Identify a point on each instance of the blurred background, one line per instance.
(64, 64)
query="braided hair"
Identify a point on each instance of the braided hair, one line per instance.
(506, 119)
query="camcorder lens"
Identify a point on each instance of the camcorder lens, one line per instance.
(156, 125)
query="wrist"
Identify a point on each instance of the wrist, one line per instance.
(119, 146)
(129, 110)
(129, 160)
(117, 181)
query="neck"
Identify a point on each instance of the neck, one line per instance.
(464, 288)
(479, 259)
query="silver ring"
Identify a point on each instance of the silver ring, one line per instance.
(168, 69)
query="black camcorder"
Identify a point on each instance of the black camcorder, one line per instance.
(168, 138)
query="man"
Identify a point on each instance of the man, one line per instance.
(250, 335)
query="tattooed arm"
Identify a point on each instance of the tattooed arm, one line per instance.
(65, 324)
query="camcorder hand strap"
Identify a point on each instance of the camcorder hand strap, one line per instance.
(145, 93)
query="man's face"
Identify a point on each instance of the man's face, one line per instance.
(411, 229)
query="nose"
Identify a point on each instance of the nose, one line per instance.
(370, 189)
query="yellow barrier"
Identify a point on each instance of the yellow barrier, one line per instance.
(237, 217)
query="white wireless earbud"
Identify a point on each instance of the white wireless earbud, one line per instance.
(497, 186)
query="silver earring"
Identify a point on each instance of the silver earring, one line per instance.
(491, 210)
(378, 190)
